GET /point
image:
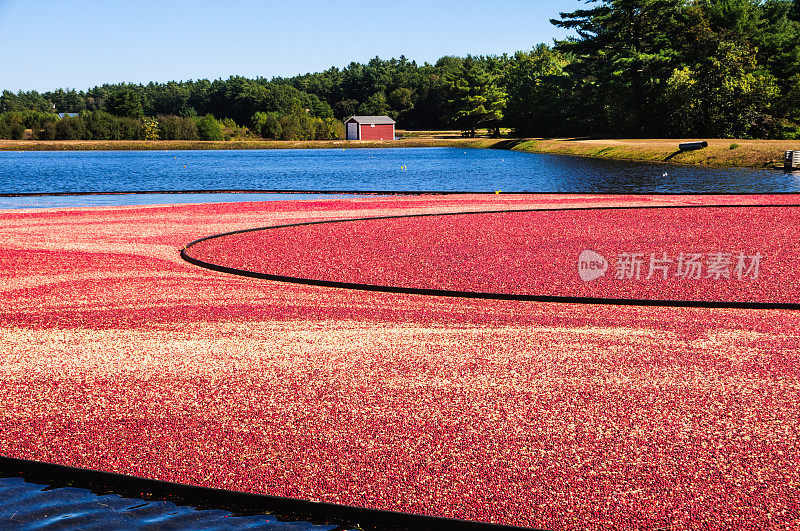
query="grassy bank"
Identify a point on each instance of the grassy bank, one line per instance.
(720, 152)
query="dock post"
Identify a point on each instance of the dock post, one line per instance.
(791, 160)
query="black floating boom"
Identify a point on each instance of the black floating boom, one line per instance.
(685, 146)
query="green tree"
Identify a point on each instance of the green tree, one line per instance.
(69, 128)
(267, 125)
(624, 53)
(789, 104)
(66, 100)
(401, 100)
(376, 105)
(8, 102)
(177, 128)
(124, 102)
(208, 128)
(345, 108)
(794, 11)
(538, 92)
(475, 98)
(725, 95)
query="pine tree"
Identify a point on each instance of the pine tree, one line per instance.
(624, 53)
(475, 98)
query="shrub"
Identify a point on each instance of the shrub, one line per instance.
(329, 129)
(267, 125)
(69, 128)
(208, 128)
(292, 128)
(17, 131)
(177, 128)
(131, 129)
(48, 132)
(100, 125)
(36, 119)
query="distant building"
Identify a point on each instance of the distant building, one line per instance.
(369, 128)
(70, 114)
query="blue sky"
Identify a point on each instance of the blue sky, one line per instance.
(47, 44)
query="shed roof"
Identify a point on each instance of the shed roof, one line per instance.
(370, 120)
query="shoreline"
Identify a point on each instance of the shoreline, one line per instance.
(760, 154)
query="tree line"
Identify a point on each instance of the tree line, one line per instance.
(635, 68)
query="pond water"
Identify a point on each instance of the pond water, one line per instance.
(363, 169)
(37, 505)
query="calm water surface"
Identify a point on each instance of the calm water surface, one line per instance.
(382, 169)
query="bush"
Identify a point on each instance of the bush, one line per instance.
(48, 132)
(13, 128)
(69, 128)
(36, 119)
(267, 125)
(292, 128)
(208, 128)
(17, 131)
(329, 129)
(131, 129)
(98, 125)
(177, 128)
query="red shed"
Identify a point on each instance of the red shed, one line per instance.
(369, 128)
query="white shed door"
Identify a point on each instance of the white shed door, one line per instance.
(352, 131)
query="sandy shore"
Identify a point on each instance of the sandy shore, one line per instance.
(720, 152)
(117, 355)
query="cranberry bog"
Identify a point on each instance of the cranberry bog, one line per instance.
(475, 374)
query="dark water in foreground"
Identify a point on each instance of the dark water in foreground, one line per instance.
(27, 505)
(382, 169)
